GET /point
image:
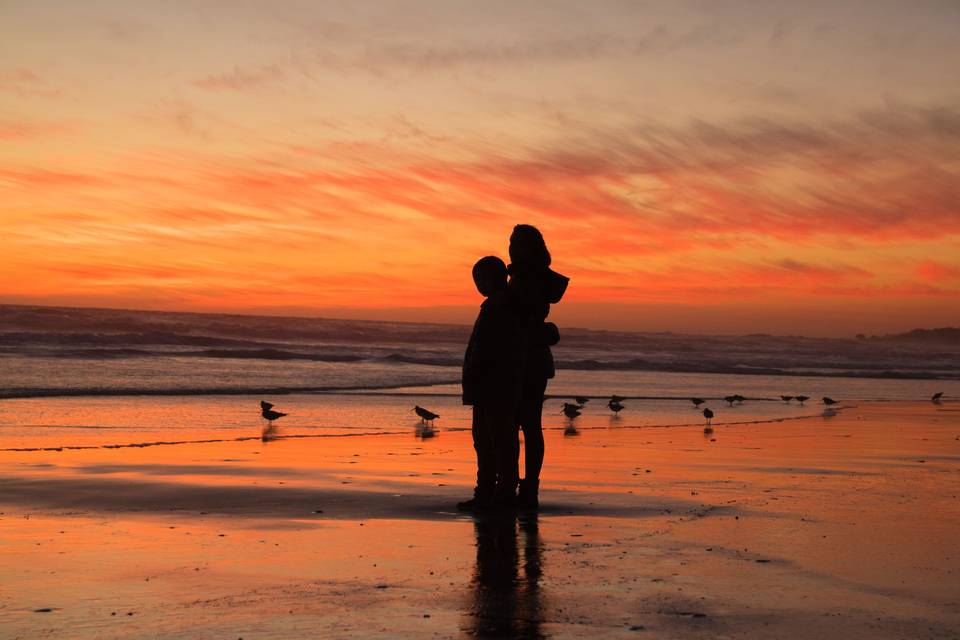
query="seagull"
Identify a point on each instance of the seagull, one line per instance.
(266, 410)
(615, 405)
(935, 398)
(617, 399)
(730, 399)
(697, 402)
(425, 415)
(786, 399)
(571, 410)
(802, 399)
(582, 400)
(829, 401)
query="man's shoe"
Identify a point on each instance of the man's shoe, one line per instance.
(476, 503)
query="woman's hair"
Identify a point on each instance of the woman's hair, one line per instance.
(527, 247)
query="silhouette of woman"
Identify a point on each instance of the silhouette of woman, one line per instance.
(534, 287)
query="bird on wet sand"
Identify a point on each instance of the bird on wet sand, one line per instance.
(582, 400)
(615, 405)
(786, 399)
(617, 399)
(802, 399)
(697, 402)
(266, 410)
(708, 414)
(935, 398)
(730, 399)
(829, 401)
(426, 416)
(571, 410)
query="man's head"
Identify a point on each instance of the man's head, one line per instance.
(490, 275)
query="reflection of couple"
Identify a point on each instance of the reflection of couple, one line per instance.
(506, 368)
(506, 599)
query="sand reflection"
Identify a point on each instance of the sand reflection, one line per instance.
(507, 601)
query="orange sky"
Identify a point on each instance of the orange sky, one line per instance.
(761, 168)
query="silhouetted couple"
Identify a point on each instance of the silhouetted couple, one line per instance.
(506, 368)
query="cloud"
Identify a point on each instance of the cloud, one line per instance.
(13, 131)
(241, 79)
(880, 173)
(34, 177)
(417, 56)
(751, 210)
(822, 271)
(127, 31)
(937, 272)
(26, 82)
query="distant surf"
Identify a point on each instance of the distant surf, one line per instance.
(48, 352)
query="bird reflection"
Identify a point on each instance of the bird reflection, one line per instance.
(506, 583)
(424, 431)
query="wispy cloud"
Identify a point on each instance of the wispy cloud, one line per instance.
(26, 82)
(937, 272)
(554, 50)
(26, 130)
(239, 79)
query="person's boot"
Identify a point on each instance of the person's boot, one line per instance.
(527, 496)
(480, 500)
(504, 497)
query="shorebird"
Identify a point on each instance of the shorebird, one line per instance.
(829, 401)
(730, 399)
(425, 415)
(615, 406)
(786, 399)
(571, 410)
(266, 410)
(739, 398)
(582, 400)
(697, 402)
(617, 399)
(802, 399)
(708, 414)
(935, 398)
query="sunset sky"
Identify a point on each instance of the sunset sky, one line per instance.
(709, 167)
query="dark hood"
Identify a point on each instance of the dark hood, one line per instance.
(556, 286)
(537, 285)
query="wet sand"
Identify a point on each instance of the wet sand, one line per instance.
(817, 527)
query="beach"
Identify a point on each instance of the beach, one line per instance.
(281, 281)
(806, 526)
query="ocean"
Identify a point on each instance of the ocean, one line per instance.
(99, 377)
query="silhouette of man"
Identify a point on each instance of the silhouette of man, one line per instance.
(492, 367)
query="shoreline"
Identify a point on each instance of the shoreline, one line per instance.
(569, 429)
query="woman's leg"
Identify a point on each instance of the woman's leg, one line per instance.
(531, 422)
